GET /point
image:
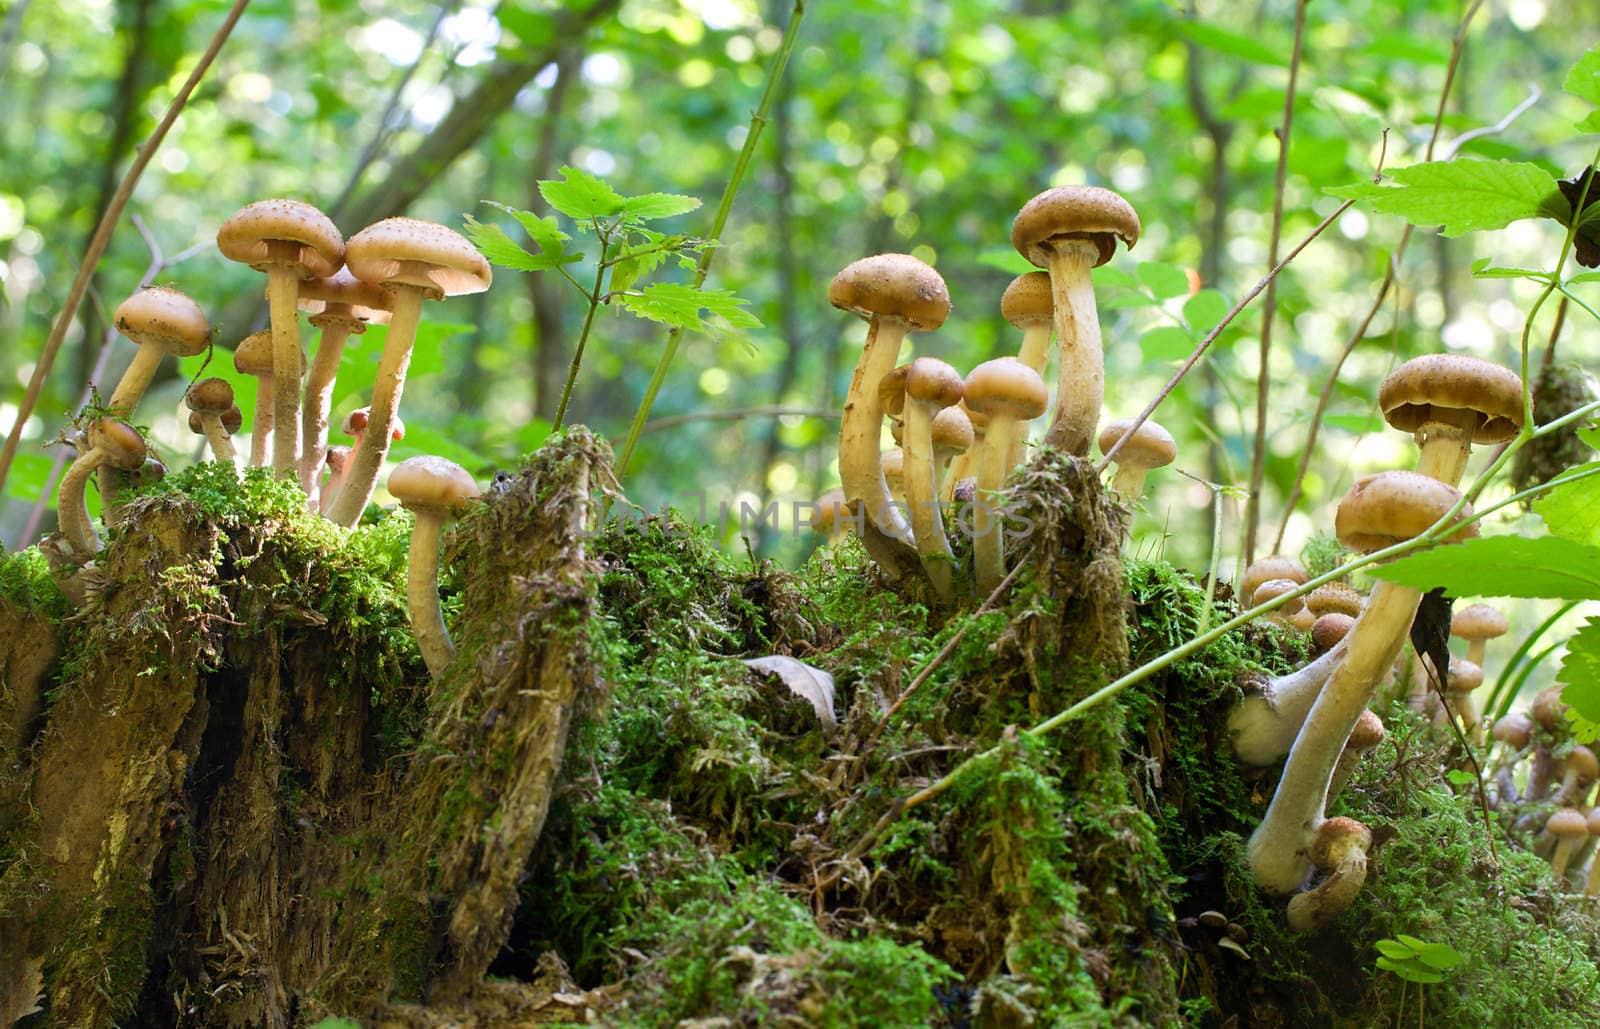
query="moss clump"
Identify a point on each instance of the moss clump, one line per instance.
(1560, 389)
(26, 582)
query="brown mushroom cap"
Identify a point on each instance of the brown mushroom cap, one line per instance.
(209, 396)
(1368, 732)
(361, 301)
(1413, 391)
(1567, 822)
(1514, 730)
(162, 317)
(932, 381)
(1074, 212)
(1027, 301)
(1334, 597)
(1006, 387)
(355, 423)
(1334, 830)
(952, 430)
(232, 420)
(1478, 622)
(123, 445)
(248, 236)
(431, 483)
(253, 355)
(1581, 763)
(1273, 566)
(1272, 589)
(1152, 446)
(1329, 629)
(411, 252)
(1465, 676)
(1549, 710)
(1390, 507)
(892, 286)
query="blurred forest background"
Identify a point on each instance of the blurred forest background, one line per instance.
(912, 125)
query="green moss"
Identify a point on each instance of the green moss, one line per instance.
(25, 580)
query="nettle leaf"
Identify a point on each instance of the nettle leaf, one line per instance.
(1579, 676)
(1503, 566)
(1462, 196)
(1571, 510)
(1590, 436)
(658, 205)
(678, 305)
(1584, 78)
(581, 196)
(493, 242)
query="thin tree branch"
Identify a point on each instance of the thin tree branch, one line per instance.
(102, 235)
(737, 414)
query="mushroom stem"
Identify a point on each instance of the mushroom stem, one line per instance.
(922, 496)
(282, 302)
(422, 593)
(367, 458)
(319, 399)
(135, 380)
(72, 512)
(221, 445)
(1445, 440)
(860, 472)
(1264, 725)
(1035, 353)
(1081, 377)
(261, 429)
(1129, 481)
(988, 527)
(1277, 847)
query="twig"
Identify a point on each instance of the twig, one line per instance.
(736, 414)
(1434, 684)
(1269, 306)
(102, 235)
(1498, 127)
(758, 121)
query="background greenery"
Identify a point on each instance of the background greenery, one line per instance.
(917, 126)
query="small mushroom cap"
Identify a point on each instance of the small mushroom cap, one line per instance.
(347, 295)
(892, 286)
(123, 445)
(1368, 732)
(431, 483)
(1581, 763)
(1478, 622)
(1329, 629)
(209, 396)
(1006, 387)
(1334, 597)
(1567, 822)
(1465, 676)
(952, 431)
(1302, 620)
(336, 458)
(1028, 301)
(892, 390)
(247, 237)
(932, 381)
(1151, 446)
(1272, 589)
(253, 355)
(1074, 212)
(831, 510)
(1333, 833)
(424, 255)
(1390, 507)
(1454, 381)
(1549, 710)
(355, 423)
(1273, 566)
(1514, 730)
(160, 316)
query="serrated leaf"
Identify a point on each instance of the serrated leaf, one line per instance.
(1221, 40)
(493, 242)
(1579, 674)
(1166, 343)
(1584, 78)
(648, 206)
(580, 195)
(1571, 510)
(1439, 956)
(1461, 196)
(1164, 280)
(804, 681)
(1205, 309)
(1503, 566)
(1588, 123)
(673, 304)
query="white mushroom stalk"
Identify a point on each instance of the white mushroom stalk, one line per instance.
(898, 294)
(1007, 391)
(1264, 724)
(1379, 511)
(111, 442)
(1068, 231)
(1028, 306)
(253, 356)
(434, 490)
(932, 386)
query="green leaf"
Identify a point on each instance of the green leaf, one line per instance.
(1503, 566)
(581, 196)
(1589, 123)
(1439, 956)
(1413, 942)
(1007, 259)
(673, 304)
(1482, 270)
(1164, 280)
(1584, 78)
(1571, 510)
(1394, 949)
(1457, 777)
(1205, 309)
(493, 242)
(1460, 196)
(1580, 672)
(1357, 424)
(1221, 40)
(658, 205)
(1590, 436)
(544, 231)
(1166, 343)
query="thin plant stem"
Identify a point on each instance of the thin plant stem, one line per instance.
(1269, 306)
(102, 235)
(583, 336)
(1500, 700)
(758, 122)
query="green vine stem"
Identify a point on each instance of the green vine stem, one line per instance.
(758, 121)
(588, 322)
(1500, 701)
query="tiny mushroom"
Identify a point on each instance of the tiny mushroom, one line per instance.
(1271, 590)
(111, 442)
(1570, 828)
(253, 356)
(1367, 734)
(832, 519)
(952, 437)
(415, 261)
(1451, 401)
(1007, 391)
(1339, 849)
(897, 294)
(932, 386)
(289, 241)
(1273, 566)
(1478, 624)
(434, 490)
(355, 426)
(1067, 231)
(162, 321)
(1151, 446)
(210, 401)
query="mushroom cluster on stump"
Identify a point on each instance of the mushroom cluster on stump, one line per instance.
(211, 408)
(339, 306)
(434, 490)
(1008, 391)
